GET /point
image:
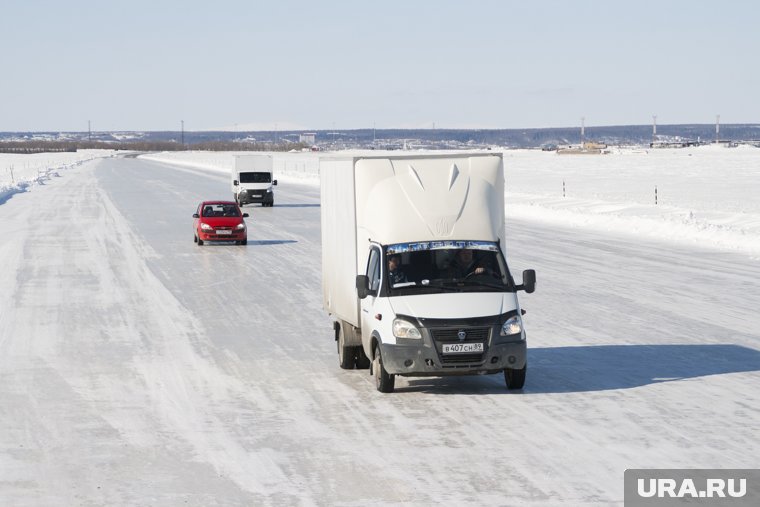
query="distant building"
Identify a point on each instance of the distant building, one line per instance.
(307, 137)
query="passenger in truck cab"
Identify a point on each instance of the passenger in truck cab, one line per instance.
(395, 274)
(464, 265)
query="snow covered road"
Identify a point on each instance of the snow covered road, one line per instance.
(137, 368)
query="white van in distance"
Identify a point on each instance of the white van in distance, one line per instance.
(413, 267)
(252, 180)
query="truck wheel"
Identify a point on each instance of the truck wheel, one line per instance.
(346, 355)
(384, 381)
(515, 378)
(362, 361)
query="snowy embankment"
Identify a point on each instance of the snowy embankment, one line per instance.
(706, 196)
(20, 172)
(302, 166)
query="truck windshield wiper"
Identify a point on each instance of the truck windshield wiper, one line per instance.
(447, 286)
(481, 283)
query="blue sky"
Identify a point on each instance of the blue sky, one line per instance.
(147, 65)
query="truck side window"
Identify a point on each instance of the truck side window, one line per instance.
(373, 269)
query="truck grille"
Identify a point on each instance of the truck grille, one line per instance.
(473, 334)
(451, 335)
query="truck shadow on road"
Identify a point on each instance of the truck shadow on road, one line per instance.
(266, 242)
(600, 368)
(608, 367)
(304, 205)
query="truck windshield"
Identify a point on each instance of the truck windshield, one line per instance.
(255, 177)
(446, 266)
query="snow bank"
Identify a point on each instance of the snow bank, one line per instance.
(20, 173)
(706, 196)
(300, 166)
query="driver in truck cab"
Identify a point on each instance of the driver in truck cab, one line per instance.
(464, 265)
(395, 274)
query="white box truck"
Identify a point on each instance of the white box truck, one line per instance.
(413, 268)
(252, 180)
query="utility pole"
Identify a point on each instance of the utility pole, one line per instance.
(583, 131)
(717, 128)
(654, 129)
(182, 133)
(89, 131)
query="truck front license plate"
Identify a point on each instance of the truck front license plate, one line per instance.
(462, 348)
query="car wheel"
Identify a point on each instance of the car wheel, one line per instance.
(200, 241)
(346, 354)
(384, 381)
(515, 378)
(195, 238)
(244, 242)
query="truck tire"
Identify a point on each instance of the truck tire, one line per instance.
(384, 381)
(515, 378)
(346, 354)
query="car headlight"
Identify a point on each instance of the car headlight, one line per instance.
(513, 325)
(405, 329)
(240, 227)
(206, 227)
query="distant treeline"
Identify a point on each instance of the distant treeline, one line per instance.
(38, 146)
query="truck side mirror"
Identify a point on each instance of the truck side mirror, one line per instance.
(235, 182)
(529, 281)
(362, 286)
(274, 182)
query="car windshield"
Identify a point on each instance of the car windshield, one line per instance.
(220, 210)
(446, 266)
(256, 177)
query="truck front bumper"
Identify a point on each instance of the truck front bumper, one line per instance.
(423, 359)
(255, 196)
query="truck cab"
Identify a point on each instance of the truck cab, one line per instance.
(441, 308)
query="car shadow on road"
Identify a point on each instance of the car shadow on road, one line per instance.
(603, 368)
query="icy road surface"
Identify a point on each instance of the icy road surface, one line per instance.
(137, 368)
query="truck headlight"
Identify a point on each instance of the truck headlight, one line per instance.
(405, 329)
(513, 325)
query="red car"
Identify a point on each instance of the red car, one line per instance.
(219, 221)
